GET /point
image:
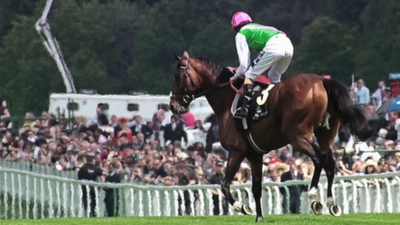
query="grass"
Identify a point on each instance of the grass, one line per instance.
(353, 219)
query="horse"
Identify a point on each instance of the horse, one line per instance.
(299, 107)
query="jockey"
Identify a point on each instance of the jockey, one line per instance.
(276, 51)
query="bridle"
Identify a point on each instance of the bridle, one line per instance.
(188, 98)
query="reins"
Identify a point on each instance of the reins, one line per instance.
(188, 98)
(217, 87)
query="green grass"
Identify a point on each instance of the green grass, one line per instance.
(354, 219)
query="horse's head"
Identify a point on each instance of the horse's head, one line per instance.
(187, 84)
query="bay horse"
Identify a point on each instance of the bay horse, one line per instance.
(298, 108)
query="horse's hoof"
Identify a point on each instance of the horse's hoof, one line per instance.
(335, 210)
(259, 219)
(246, 210)
(316, 207)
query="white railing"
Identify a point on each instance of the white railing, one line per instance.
(31, 195)
(36, 168)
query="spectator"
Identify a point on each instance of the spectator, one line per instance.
(167, 115)
(174, 131)
(101, 108)
(4, 113)
(29, 120)
(124, 129)
(111, 199)
(379, 94)
(199, 126)
(135, 124)
(105, 128)
(363, 97)
(185, 177)
(140, 158)
(189, 120)
(217, 178)
(212, 133)
(89, 172)
(114, 120)
(138, 127)
(294, 191)
(386, 102)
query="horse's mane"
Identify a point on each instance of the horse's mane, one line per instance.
(223, 73)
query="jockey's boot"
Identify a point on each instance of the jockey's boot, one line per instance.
(243, 111)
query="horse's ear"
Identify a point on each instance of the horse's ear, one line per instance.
(186, 55)
(177, 58)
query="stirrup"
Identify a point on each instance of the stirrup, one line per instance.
(238, 114)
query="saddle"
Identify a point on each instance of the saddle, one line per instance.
(258, 106)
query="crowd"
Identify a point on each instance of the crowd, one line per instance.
(131, 148)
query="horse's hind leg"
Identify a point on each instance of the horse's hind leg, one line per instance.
(306, 146)
(235, 158)
(325, 138)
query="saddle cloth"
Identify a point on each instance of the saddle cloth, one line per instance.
(258, 106)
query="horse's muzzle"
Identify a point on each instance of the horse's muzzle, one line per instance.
(177, 108)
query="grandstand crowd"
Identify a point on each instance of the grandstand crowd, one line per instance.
(133, 148)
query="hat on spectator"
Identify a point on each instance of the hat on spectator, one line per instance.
(219, 163)
(103, 155)
(200, 171)
(245, 166)
(281, 166)
(182, 155)
(275, 160)
(122, 120)
(370, 162)
(124, 154)
(382, 133)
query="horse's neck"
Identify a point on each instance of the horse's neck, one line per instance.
(221, 100)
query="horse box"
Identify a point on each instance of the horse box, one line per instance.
(120, 105)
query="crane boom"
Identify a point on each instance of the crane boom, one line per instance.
(51, 44)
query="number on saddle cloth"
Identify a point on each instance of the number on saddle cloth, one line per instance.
(258, 104)
(258, 107)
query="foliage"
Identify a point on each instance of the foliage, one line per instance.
(115, 46)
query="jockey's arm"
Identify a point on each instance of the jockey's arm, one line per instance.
(6, 113)
(243, 52)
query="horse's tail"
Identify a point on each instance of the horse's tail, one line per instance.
(339, 98)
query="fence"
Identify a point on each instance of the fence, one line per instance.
(36, 168)
(29, 195)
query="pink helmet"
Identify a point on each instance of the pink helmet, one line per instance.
(239, 19)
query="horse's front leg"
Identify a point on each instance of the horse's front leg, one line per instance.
(256, 170)
(235, 158)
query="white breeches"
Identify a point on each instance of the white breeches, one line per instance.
(277, 55)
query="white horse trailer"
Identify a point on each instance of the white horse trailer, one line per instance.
(119, 105)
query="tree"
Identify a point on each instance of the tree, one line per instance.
(379, 43)
(326, 48)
